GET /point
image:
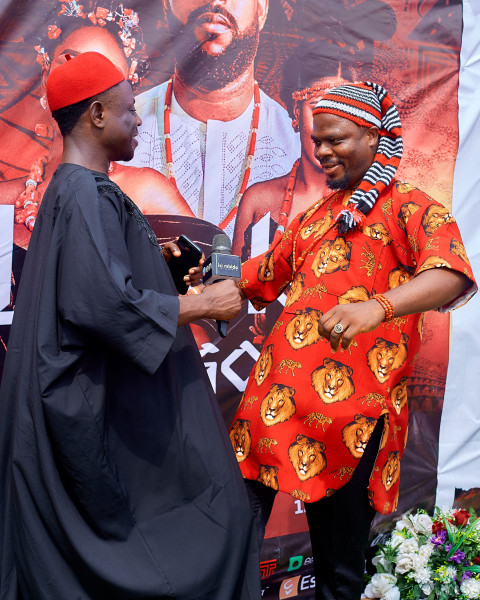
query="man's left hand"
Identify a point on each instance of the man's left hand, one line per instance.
(350, 320)
(194, 275)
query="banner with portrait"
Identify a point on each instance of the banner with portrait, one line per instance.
(226, 91)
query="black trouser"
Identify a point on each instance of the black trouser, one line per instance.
(339, 528)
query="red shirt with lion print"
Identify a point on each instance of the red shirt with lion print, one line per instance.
(307, 414)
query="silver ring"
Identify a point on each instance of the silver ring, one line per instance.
(338, 328)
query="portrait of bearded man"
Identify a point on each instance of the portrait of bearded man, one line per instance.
(211, 117)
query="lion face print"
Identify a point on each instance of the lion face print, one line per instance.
(296, 289)
(266, 269)
(459, 250)
(333, 255)
(406, 211)
(385, 357)
(391, 470)
(333, 381)
(303, 330)
(433, 262)
(356, 434)
(241, 438)
(307, 457)
(435, 216)
(378, 231)
(399, 276)
(317, 228)
(399, 395)
(278, 405)
(263, 364)
(268, 476)
(357, 293)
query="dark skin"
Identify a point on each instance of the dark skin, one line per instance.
(345, 150)
(106, 132)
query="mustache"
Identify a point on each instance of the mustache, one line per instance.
(328, 163)
(199, 12)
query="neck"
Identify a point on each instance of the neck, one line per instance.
(224, 104)
(84, 154)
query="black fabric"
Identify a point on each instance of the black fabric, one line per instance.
(118, 480)
(339, 527)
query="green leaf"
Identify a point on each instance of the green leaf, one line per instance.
(473, 569)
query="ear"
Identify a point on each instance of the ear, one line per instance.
(262, 10)
(372, 135)
(97, 114)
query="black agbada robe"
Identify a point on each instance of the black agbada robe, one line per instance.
(117, 477)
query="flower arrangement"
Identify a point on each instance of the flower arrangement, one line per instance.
(433, 559)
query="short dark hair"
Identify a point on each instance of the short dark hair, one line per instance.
(68, 116)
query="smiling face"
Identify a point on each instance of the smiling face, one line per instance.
(121, 122)
(344, 150)
(215, 42)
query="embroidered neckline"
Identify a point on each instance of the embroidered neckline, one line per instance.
(252, 139)
(106, 185)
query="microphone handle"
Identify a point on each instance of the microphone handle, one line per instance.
(222, 328)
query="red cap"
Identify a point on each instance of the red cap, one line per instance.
(81, 77)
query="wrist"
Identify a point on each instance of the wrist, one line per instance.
(386, 305)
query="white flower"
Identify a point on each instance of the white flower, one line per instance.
(422, 523)
(396, 539)
(471, 588)
(419, 562)
(427, 589)
(408, 546)
(381, 560)
(426, 550)
(451, 572)
(403, 523)
(404, 563)
(380, 585)
(422, 576)
(392, 594)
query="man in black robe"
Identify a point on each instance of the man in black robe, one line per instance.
(117, 477)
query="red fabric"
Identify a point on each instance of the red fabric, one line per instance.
(346, 107)
(81, 77)
(405, 233)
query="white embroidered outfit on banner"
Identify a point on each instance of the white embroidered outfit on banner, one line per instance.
(217, 148)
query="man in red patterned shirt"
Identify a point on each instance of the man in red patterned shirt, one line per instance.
(364, 263)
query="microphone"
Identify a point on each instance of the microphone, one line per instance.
(222, 264)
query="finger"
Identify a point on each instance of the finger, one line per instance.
(347, 339)
(336, 334)
(173, 248)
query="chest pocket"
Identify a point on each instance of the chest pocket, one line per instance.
(346, 266)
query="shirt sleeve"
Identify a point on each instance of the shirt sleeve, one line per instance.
(266, 276)
(435, 242)
(96, 294)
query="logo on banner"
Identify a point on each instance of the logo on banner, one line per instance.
(267, 567)
(289, 588)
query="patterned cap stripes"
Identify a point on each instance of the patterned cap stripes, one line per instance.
(367, 104)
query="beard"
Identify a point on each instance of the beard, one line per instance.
(195, 66)
(342, 183)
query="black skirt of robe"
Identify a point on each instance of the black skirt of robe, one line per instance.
(117, 477)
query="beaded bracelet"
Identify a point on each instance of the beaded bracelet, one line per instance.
(192, 290)
(386, 305)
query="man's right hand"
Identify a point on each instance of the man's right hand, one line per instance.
(221, 301)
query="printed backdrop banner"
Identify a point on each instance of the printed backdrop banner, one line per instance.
(227, 111)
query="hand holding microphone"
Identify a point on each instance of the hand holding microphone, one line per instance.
(222, 265)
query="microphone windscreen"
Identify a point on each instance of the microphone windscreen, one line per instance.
(221, 244)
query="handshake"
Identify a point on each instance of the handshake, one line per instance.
(221, 301)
